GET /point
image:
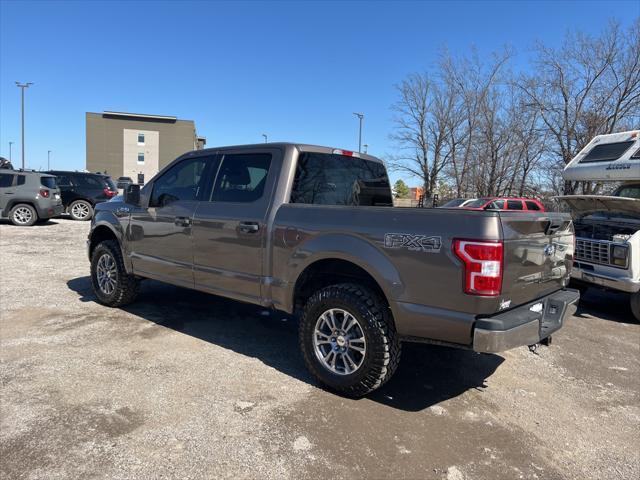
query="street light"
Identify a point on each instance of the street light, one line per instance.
(10, 145)
(22, 86)
(366, 147)
(48, 160)
(360, 117)
(265, 137)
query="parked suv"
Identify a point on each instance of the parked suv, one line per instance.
(124, 182)
(82, 191)
(28, 197)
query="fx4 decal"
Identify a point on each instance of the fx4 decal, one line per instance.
(409, 241)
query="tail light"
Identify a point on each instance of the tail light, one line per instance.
(44, 193)
(109, 193)
(483, 266)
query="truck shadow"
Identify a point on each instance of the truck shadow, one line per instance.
(605, 305)
(427, 375)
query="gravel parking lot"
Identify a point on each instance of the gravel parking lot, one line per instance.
(186, 385)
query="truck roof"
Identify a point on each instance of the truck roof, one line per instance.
(303, 147)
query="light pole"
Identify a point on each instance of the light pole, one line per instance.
(22, 86)
(265, 137)
(10, 145)
(48, 160)
(360, 117)
(366, 147)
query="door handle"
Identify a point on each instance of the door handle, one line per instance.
(182, 221)
(249, 227)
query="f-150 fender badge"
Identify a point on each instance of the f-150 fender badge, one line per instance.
(423, 243)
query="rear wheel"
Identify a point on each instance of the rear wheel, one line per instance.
(23, 215)
(111, 283)
(635, 305)
(81, 210)
(348, 339)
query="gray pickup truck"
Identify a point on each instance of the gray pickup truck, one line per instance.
(312, 231)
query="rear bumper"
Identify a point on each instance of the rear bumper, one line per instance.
(525, 325)
(51, 211)
(623, 284)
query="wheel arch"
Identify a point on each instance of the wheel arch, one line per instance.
(334, 259)
(16, 201)
(102, 231)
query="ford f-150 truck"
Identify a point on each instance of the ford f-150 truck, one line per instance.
(312, 231)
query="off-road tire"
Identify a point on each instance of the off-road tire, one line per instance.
(17, 215)
(635, 305)
(80, 203)
(383, 345)
(127, 286)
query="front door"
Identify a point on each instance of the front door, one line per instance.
(229, 230)
(159, 236)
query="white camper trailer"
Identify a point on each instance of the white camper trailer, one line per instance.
(607, 253)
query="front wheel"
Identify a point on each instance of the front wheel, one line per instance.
(348, 339)
(635, 305)
(111, 283)
(81, 210)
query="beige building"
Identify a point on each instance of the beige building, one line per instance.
(137, 145)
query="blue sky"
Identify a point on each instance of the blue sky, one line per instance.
(293, 70)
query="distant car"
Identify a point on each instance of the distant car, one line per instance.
(457, 202)
(28, 197)
(124, 182)
(505, 203)
(81, 192)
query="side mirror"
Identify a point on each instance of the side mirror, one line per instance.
(132, 195)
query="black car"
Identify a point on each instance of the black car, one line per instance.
(81, 191)
(124, 182)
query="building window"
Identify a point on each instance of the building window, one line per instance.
(141, 139)
(141, 157)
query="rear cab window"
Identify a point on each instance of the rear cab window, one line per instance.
(49, 182)
(332, 179)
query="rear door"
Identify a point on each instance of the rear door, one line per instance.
(538, 254)
(230, 227)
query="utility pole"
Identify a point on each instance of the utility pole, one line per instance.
(265, 137)
(22, 86)
(10, 145)
(48, 160)
(360, 117)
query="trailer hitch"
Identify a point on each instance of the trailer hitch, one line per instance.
(533, 348)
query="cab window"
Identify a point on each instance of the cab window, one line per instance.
(241, 177)
(180, 182)
(5, 180)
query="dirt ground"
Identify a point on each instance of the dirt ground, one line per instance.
(186, 385)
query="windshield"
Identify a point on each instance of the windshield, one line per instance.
(632, 191)
(477, 203)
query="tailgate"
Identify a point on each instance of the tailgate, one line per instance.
(538, 254)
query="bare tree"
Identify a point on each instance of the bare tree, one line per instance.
(588, 86)
(421, 116)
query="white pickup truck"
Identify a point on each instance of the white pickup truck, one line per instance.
(607, 228)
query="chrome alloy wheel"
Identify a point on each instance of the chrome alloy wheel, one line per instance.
(22, 215)
(80, 210)
(106, 273)
(339, 343)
